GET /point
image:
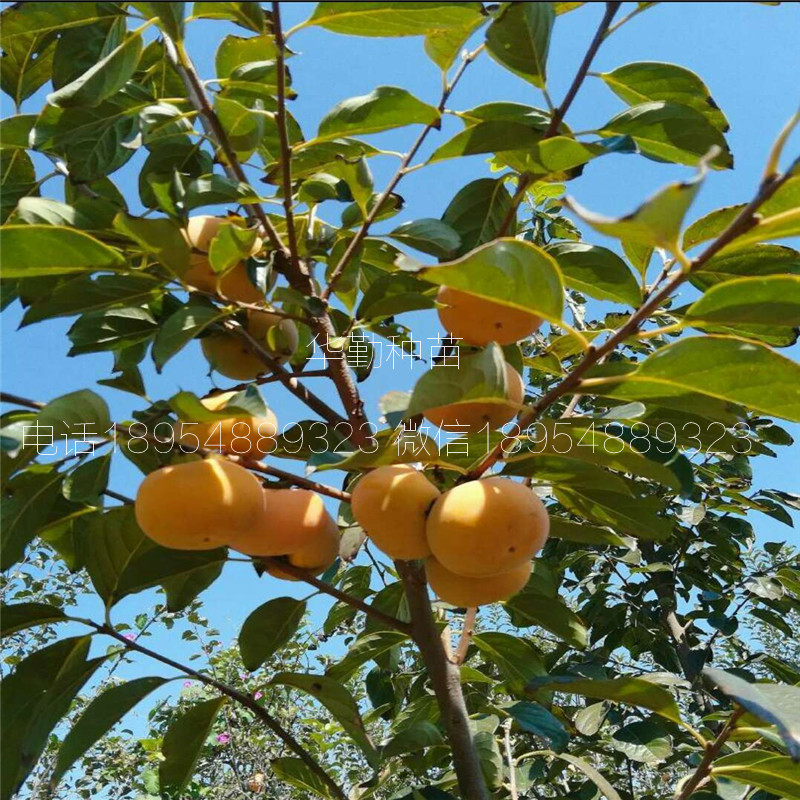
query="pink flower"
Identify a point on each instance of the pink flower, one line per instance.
(258, 695)
(187, 684)
(131, 637)
(223, 738)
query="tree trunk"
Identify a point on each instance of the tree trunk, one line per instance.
(446, 681)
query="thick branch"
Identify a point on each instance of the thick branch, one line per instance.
(561, 111)
(467, 631)
(248, 702)
(742, 223)
(446, 681)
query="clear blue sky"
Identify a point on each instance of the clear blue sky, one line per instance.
(746, 52)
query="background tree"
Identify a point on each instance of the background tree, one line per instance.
(653, 651)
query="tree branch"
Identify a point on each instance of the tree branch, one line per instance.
(700, 775)
(327, 588)
(741, 224)
(560, 112)
(446, 681)
(467, 632)
(248, 702)
(179, 58)
(397, 177)
(283, 135)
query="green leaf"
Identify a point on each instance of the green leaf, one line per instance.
(35, 697)
(21, 616)
(46, 211)
(234, 51)
(759, 308)
(581, 533)
(110, 543)
(656, 223)
(511, 272)
(393, 294)
(431, 236)
(607, 790)
(92, 139)
(757, 261)
(244, 126)
(535, 606)
(393, 18)
(78, 295)
(28, 40)
(267, 629)
(211, 190)
(76, 413)
(180, 328)
(230, 246)
(490, 136)
(88, 480)
(113, 329)
(161, 238)
(729, 369)
(382, 109)
(18, 180)
(551, 159)
(26, 506)
(338, 701)
(365, 649)
(777, 774)
(596, 271)
(169, 15)
(518, 660)
(296, 772)
(774, 703)
(536, 719)
(182, 744)
(477, 212)
(248, 15)
(105, 711)
(182, 588)
(33, 250)
(643, 81)
(778, 218)
(519, 39)
(189, 408)
(79, 49)
(102, 80)
(479, 377)
(417, 736)
(442, 46)
(182, 573)
(670, 132)
(631, 691)
(645, 741)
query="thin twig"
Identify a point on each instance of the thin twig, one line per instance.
(512, 774)
(248, 702)
(402, 169)
(283, 135)
(742, 223)
(559, 114)
(327, 588)
(178, 57)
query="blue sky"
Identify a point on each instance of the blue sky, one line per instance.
(747, 54)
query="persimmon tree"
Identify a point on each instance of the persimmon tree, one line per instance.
(640, 659)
